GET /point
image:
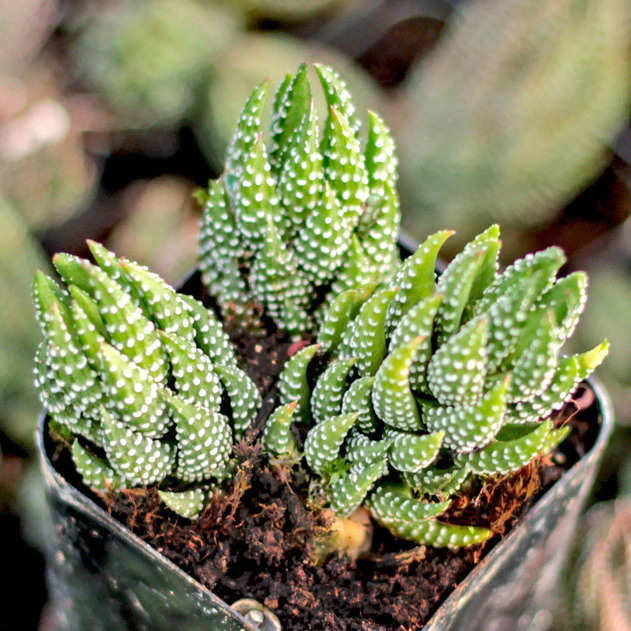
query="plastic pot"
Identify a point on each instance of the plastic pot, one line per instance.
(101, 576)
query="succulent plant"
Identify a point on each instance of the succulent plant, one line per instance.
(515, 110)
(149, 59)
(595, 595)
(305, 217)
(141, 380)
(421, 384)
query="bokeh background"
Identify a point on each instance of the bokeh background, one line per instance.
(112, 112)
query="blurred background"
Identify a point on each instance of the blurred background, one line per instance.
(513, 111)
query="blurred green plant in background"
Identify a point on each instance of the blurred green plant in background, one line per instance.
(20, 257)
(598, 591)
(514, 111)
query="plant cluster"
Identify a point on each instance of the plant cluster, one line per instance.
(416, 384)
(142, 381)
(309, 215)
(422, 383)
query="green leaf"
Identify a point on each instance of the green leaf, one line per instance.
(210, 335)
(368, 339)
(379, 237)
(456, 284)
(535, 369)
(247, 131)
(292, 383)
(292, 103)
(342, 310)
(502, 457)
(131, 395)
(439, 534)
(344, 168)
(301, 180)
(437, 481)
(193, 373)
(204, 441)
(381, 157)
(278, 440)
(410, 452)
(457, 370)
(347, 493)
(392, 398)
(416, 277)
(567, 298)
(220, 247)
(188, 503)
(489, 243)
(139, 459)
(358, 398)
(326, 399)
(95, 471)
(73, 383)
(355, 271)
(322, 241)
(245, 399)
(418, 321)
(393, 502)
(472, 426)
(570, 372)
(337, 96)
(256, 199)
(361, 449)
(127, 327)
(324, 440)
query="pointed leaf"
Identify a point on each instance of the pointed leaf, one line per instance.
(337, 95)
(339, 314)
(392, 502)
(358, 398)
(95, 471)
(418, 321)
(411, 453)
(292, 102)
(301, 180)
(193, 373)
(362, 450)
(188, 503)
(141, 460)
(210, 335)
(416, 277)
(256, 199)
(502, 457)
(131, 395)
(277, 439)
(292, 384)
(368, 341)
(326, 399)
(322, 242)
(457, 371)
(245, 399)
(247, 130)
(392, 398)
(472, 426)
(348, 493)
(324, 440)
(204, 441)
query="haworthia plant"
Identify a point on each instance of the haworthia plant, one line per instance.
(139, 378)
(423, 383)
(303, 214)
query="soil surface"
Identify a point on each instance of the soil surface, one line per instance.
(257, 541)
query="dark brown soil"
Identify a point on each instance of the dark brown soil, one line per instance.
(257, 541)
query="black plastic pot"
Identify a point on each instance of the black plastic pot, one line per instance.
(101, 576)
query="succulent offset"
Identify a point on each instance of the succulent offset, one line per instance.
(425, 382)
(305, 217)
(139, 379)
